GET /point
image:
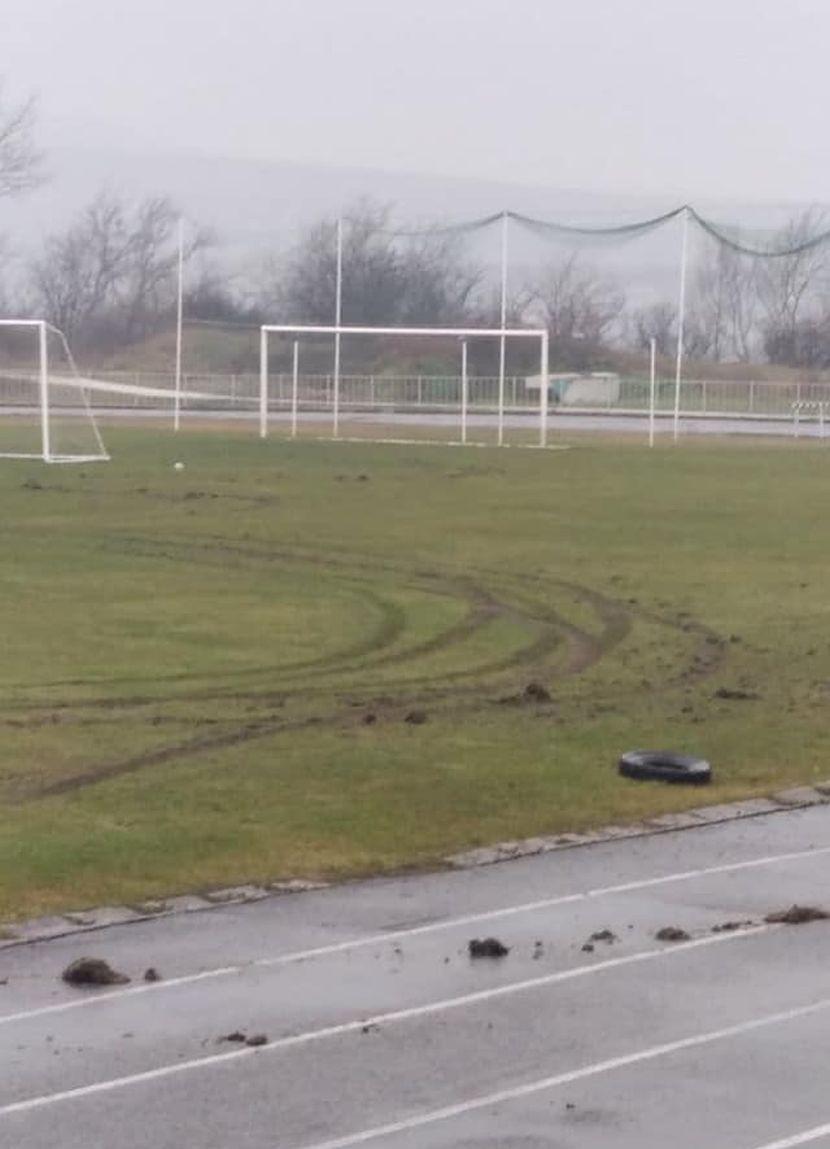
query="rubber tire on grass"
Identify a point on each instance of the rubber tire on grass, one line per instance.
(665, 766)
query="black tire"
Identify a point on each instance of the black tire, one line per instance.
(665, 766)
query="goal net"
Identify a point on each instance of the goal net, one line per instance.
(421, 384)
(45, 407)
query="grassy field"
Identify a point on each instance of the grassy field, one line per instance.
(308, 659)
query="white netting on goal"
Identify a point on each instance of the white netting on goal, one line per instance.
(45, 408)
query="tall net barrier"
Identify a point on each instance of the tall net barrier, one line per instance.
(431, 333)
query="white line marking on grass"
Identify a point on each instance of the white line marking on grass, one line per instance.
(415, 931)
(377, 1019)
(531, 1087)
(799, 1138)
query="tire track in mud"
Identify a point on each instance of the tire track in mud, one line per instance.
(491, 595)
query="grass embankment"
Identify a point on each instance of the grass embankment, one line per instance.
(207, 674)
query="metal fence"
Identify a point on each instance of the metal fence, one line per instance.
(428, 393)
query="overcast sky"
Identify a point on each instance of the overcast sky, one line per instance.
(717, 98)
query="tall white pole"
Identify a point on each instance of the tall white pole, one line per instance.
(681, 316)
(543, 391)
(652, 392)
(46, 445)
(263, 383)
(338, 308)
(177, 402)
(464, 391)
(504, 256)
(295, 378)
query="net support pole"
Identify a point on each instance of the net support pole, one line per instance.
(43, 343)
(681, 317)
(543, 390)
(502, 342)
(295, 379)
(177, 398)
(263, 383)
(652, 391)
(464, 391)
(338, 310)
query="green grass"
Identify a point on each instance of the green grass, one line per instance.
(190, 658)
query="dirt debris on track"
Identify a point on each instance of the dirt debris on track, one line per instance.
(92, 972)
(672, 934)
(606, 935)
(797, 916)
(487, 948)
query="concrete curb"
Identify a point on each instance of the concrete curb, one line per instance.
(782, 802)
(88, 921)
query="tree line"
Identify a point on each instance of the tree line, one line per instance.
(109, 279)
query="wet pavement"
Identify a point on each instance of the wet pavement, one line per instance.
(383, 1030)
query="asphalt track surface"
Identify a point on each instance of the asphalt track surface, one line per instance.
(383, 1031)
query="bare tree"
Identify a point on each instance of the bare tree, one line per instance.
(19, 158)
(788, 284)
(110, 277)
(77, 277)
(387, 277)
(657, 321)
(578, 306)
(723, 303)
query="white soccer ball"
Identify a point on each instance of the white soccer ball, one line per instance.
(178, 466)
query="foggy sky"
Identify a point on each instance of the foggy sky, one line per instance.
(681, 98)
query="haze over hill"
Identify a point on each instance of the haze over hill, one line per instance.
(261, 206)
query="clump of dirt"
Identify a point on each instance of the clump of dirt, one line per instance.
(92, 972)
(728, 927)
(588, 948)
(369, 719)
(735, 695)
(152, 974)
(256, 1039)
(538, 950)
(672, 934)
(416, 717)
(797, 916)
(535, 692)
(31, 485)
(370, 1027)
(604, 936)
(487, 948)
(237, 1036)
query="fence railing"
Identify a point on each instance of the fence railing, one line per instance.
(240, 392)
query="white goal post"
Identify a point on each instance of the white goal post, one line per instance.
(463, 334)
(45, 412)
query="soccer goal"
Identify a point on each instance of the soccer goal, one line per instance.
(370, 396)
(45, 408)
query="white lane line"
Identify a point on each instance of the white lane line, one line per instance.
(415, 931)
(531, 1087)
(170, 983)
(376, 1019)
(799, 1138)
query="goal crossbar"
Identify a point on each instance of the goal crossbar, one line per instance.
(461, 333)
